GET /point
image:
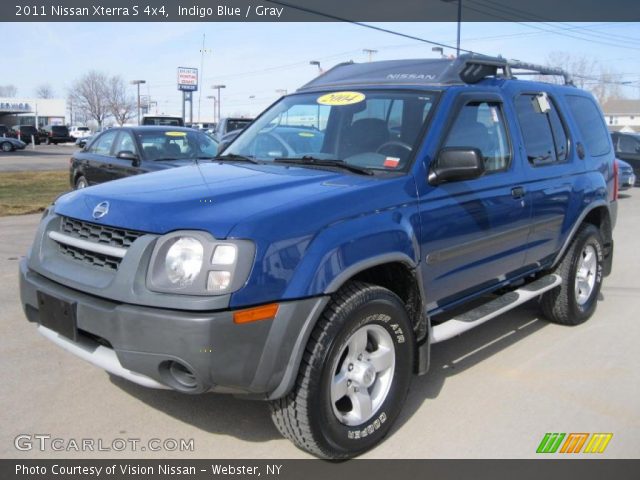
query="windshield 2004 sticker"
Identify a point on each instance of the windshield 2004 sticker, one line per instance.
(336, 99)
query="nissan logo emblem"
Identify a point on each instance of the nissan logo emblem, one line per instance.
(101, 210)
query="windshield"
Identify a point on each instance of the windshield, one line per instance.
(176, 145)
(371, 129)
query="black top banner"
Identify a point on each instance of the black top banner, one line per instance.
(317, 10)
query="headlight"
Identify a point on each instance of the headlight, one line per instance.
(184, 261)
(195, 263)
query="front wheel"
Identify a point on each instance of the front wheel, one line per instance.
(81, 182)
(581, 270)
(6, 147)
(354, 375)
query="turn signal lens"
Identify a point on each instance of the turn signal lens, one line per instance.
(265, 312)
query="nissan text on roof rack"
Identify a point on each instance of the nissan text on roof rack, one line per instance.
(311, 263)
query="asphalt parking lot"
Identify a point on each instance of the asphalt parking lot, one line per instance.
(491, 393)
(38, 157)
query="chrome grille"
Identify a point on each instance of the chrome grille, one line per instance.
(98, 234)
(116, 237)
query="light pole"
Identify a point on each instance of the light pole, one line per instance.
(219, 87)
(138, 83)
(215, 104)
(459, 23)
(370, 52)
(317, 64)
(201, 73)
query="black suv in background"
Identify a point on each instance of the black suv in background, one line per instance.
(26, 133)
(627, 147)
(5, 131)
(55, 134)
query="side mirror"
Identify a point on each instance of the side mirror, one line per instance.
(456, 163)
(129, 155)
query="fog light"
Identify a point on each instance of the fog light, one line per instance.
(218, 281)
(224, 255)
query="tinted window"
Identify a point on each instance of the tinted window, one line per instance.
(237, 124)
(480, 125)
(102, 146)
(168, 144)
(60, 130)
(545, 139)
(628, 144)
(590, 123)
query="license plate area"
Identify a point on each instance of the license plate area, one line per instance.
(58, 315)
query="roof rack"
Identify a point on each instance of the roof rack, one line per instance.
(474, 68)
(468, 68)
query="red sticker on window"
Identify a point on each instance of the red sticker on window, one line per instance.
(391, 162)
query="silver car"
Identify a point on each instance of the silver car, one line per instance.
(8, 144)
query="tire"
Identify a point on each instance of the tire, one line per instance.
(309, 416)
(6, 147)
(81, 182)
(574, 301)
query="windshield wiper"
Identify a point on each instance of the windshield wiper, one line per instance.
(309, 160)
(235, 158)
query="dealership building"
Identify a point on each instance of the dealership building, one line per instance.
(32, 111)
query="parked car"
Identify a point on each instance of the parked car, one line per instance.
(230, 124)
(55, 134)
(9, 144)
(26, 133)
(319, 280)
(5, 131)
(83, 141)
(77, 132)
(626, 176)
(163, 121)
(627, 147)
(121, 152)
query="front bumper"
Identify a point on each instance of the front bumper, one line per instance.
(139, 342)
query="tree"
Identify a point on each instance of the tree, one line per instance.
(44, 91)
(8, 91)
(121, 105)
(587, 74)
(90, 95)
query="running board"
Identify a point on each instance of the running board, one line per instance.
(489, 310)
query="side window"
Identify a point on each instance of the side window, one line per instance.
(125, 143)
(627, 144)
(481, 125)
(591, 124)
(545, 139)
(102, 146)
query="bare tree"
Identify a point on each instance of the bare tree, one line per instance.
(90, 95)
(121, 105)
(587, 74)
(44, 91)
(8, 91)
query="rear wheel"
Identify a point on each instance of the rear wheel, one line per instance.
(354, 375)
(575, 300)
(6, 147)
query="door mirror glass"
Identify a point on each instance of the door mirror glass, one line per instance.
(127, 155)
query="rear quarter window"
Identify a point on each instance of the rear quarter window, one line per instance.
(591, 124)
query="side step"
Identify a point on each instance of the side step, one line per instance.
(473, 318)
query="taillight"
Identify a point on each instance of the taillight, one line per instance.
(615, 181)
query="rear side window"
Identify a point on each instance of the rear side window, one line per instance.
(628, 144)
(591, 124)
(545, 139)
(58, 130)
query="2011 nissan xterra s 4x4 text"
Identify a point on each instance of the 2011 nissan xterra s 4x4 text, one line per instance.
(311, 263)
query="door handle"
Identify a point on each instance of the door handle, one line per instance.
(517, 192)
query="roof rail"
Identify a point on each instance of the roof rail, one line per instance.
(474, 68)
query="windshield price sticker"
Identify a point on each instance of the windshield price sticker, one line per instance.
(336, 99)
(175, 134)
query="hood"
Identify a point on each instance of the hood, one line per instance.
(207, 196)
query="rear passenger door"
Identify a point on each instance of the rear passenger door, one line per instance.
(550, 168)
(473, 232)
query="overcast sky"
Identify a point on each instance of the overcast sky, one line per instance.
(256, 59)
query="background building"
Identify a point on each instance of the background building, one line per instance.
(622, 115)
(32, 111)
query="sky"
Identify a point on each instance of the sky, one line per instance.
(258, 59)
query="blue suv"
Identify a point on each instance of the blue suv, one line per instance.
(314, 262)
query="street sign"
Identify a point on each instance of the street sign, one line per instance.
(187, 79)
